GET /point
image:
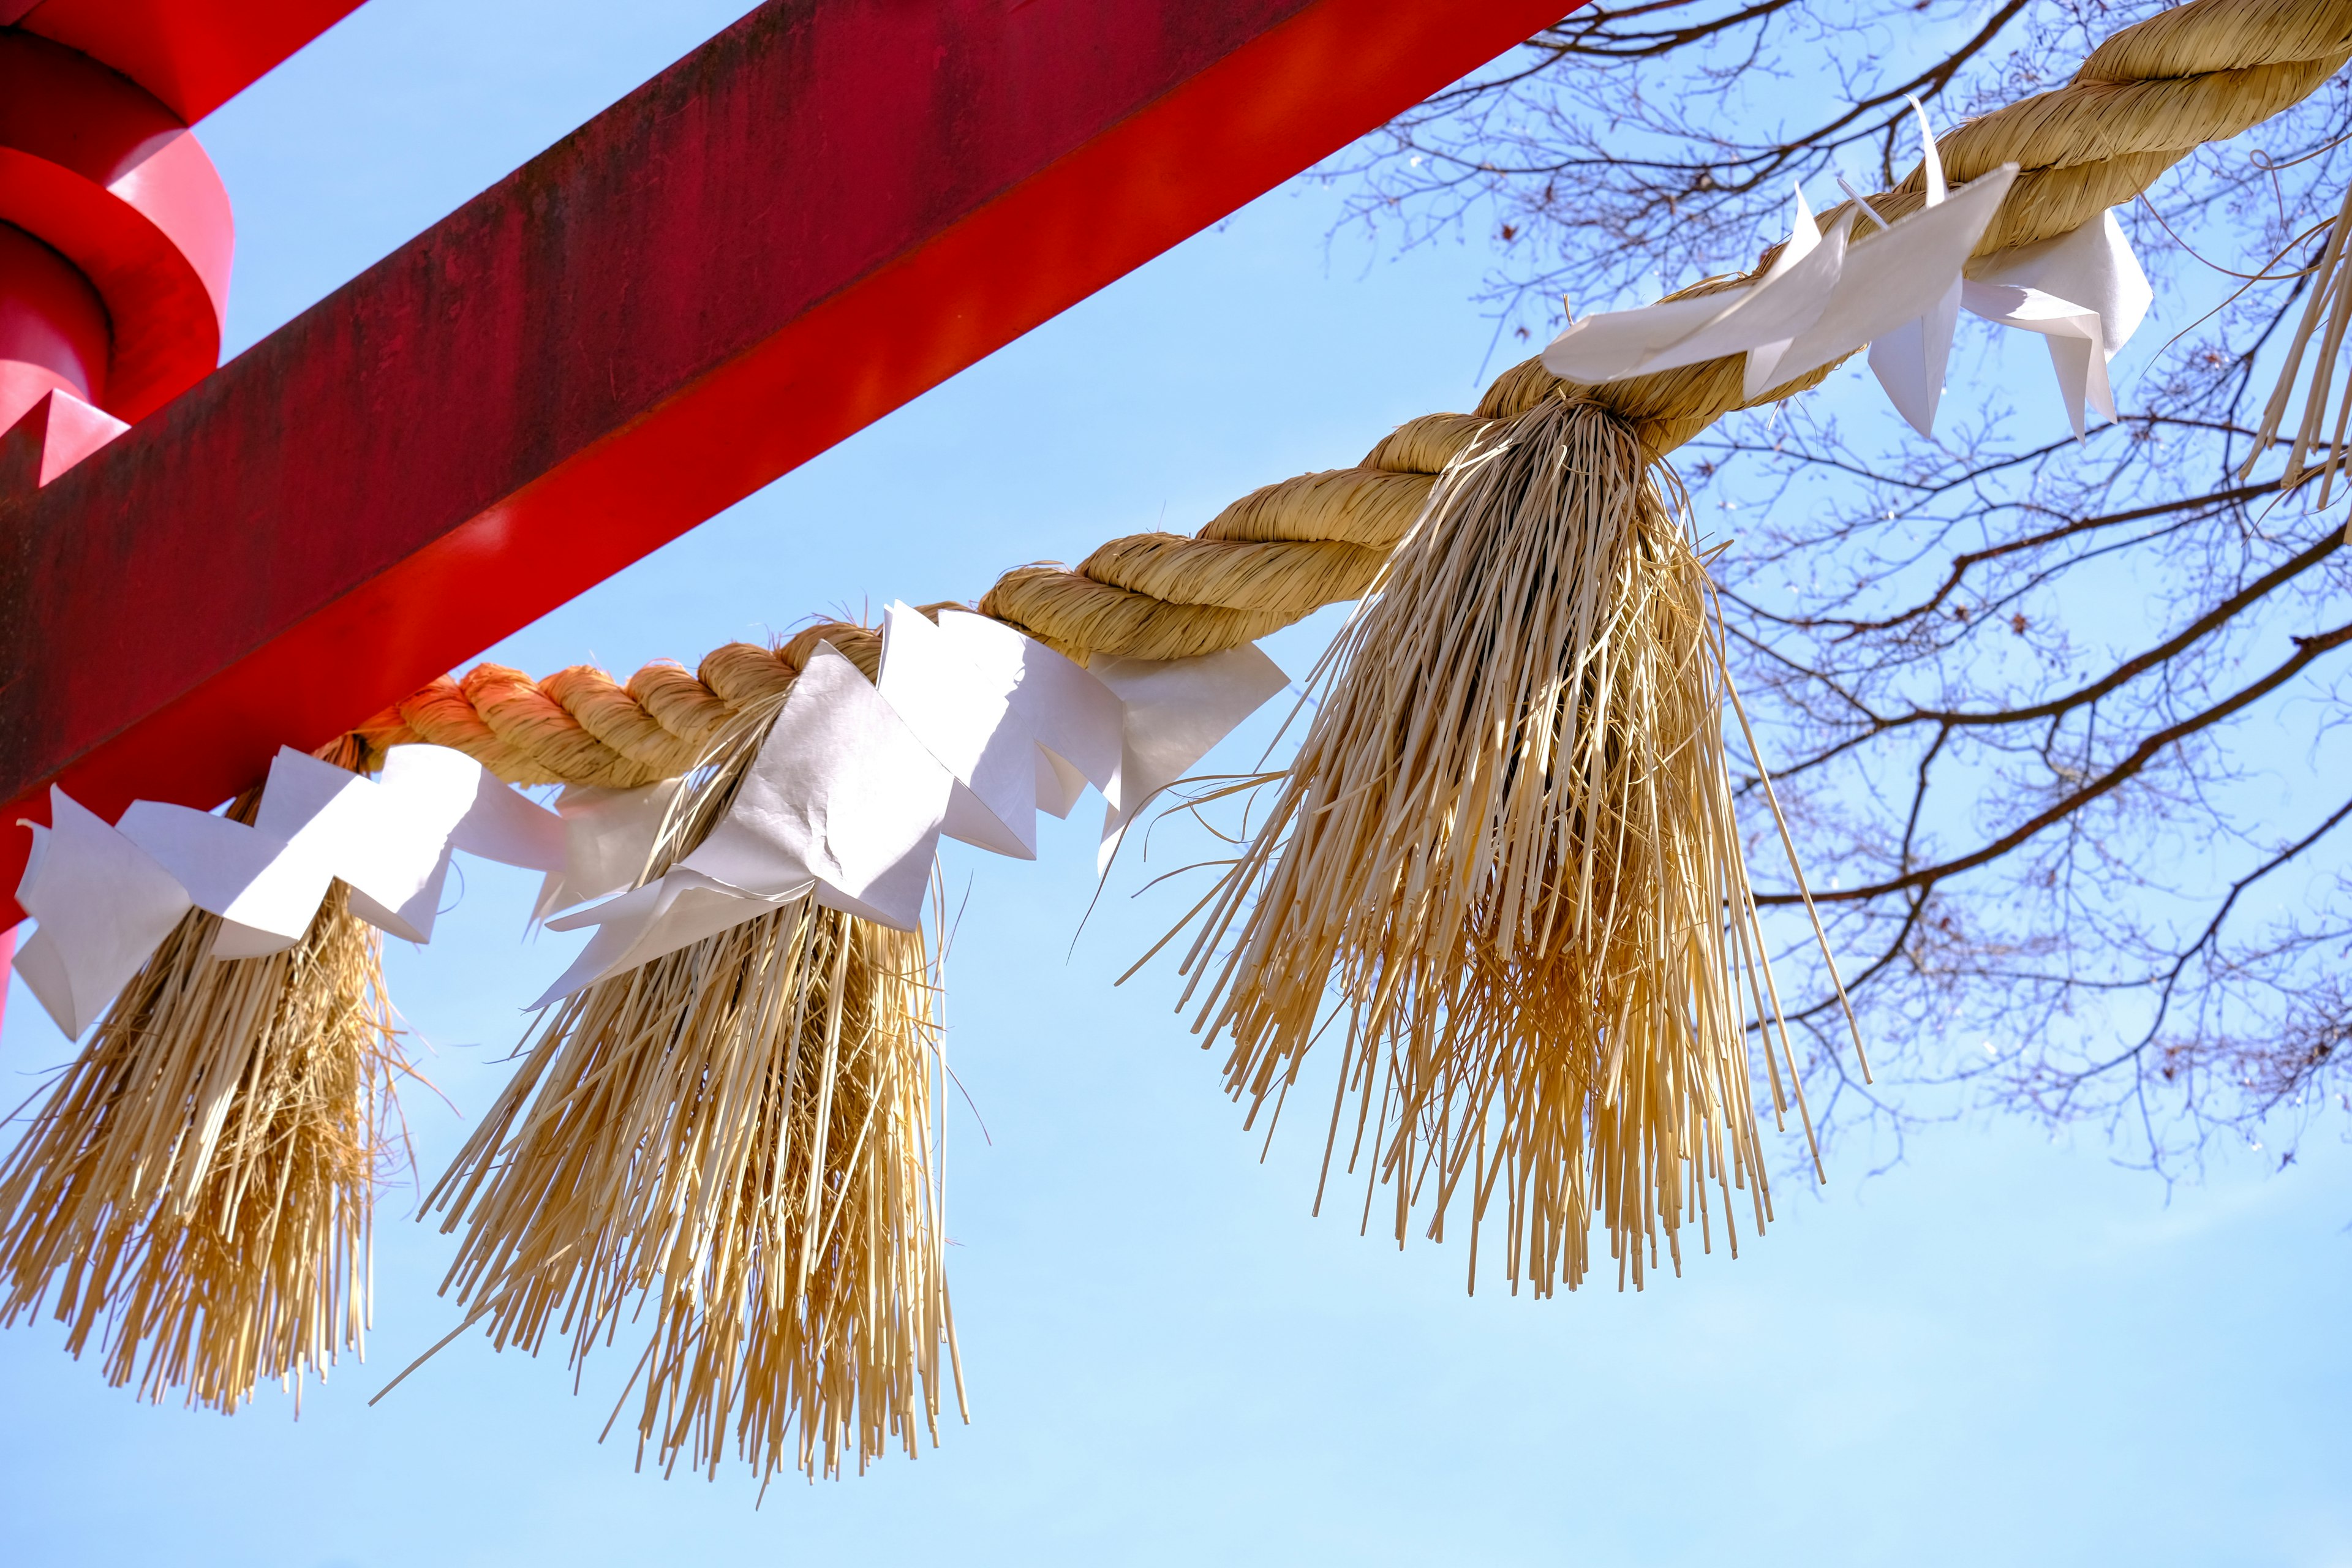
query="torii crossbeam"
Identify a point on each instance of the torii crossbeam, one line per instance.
(827, 209)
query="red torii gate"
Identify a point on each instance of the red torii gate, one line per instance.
(823, 212)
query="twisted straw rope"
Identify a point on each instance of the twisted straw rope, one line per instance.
(2145, 99)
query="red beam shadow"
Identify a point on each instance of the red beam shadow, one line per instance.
(831, 207)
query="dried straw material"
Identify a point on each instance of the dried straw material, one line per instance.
(198, 1185)
(737, 1135)
(2326, 316)
(1506, 845)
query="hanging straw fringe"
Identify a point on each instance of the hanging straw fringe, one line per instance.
(739, 1133)
(2331, 297)
(1507, 845)
(199, 1183)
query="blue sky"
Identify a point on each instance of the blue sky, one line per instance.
(2004, 1349)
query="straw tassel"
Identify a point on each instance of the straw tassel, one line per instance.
(1504, 867)
(197, 1187)
(738, 1137)
(2326, 316)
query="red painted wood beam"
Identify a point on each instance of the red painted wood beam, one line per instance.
(825, 211)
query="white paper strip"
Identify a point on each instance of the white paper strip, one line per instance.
(1175, 710)
(501, 824)
(842, 794)
(1899, 274)
(2084, 292)
(961, 710)
(1910, 361)
(680, 908)
(844, 801)
(855, 783)
(103, 905)
(389, 840)
(1823, 297)
(1768, 314)
(1059, 784)
(264, 890)
(1019, 725)
(1804, 238)
(1824, 304)
(1073, 715)
(609, 838)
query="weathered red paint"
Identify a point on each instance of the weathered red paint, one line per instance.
(195, 55)
(829, 208)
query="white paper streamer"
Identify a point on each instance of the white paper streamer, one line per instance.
(1823, 297)
(970, 729)
(666, 914)
(842, 795)
(106, 897)
(1018, 725)
(1901, 293)
(103, 905)
(2084, 292)
(609, 835)
(2034, 287)
(842, 802)
(963, 718)
(1077, 721)
(1766, 315)
(1175, 710)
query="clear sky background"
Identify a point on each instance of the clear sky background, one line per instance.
(2001, 1350)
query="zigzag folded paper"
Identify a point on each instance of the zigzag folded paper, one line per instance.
(609, 836)
(1901, 293)
(101, 904)
(1019, 726)
(1174, 710)
(1823, 297)
(105, 897)
(2084, 291)
(970, 731)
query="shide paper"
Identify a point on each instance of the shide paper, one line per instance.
(1021, 727)
(1899, 290)
(970, 731)
(1823, 297)
(609, 838)
(842, 802)
(106, 897)
(2084, 291)
(1175, 710)
(843, 796)
(103, 904)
